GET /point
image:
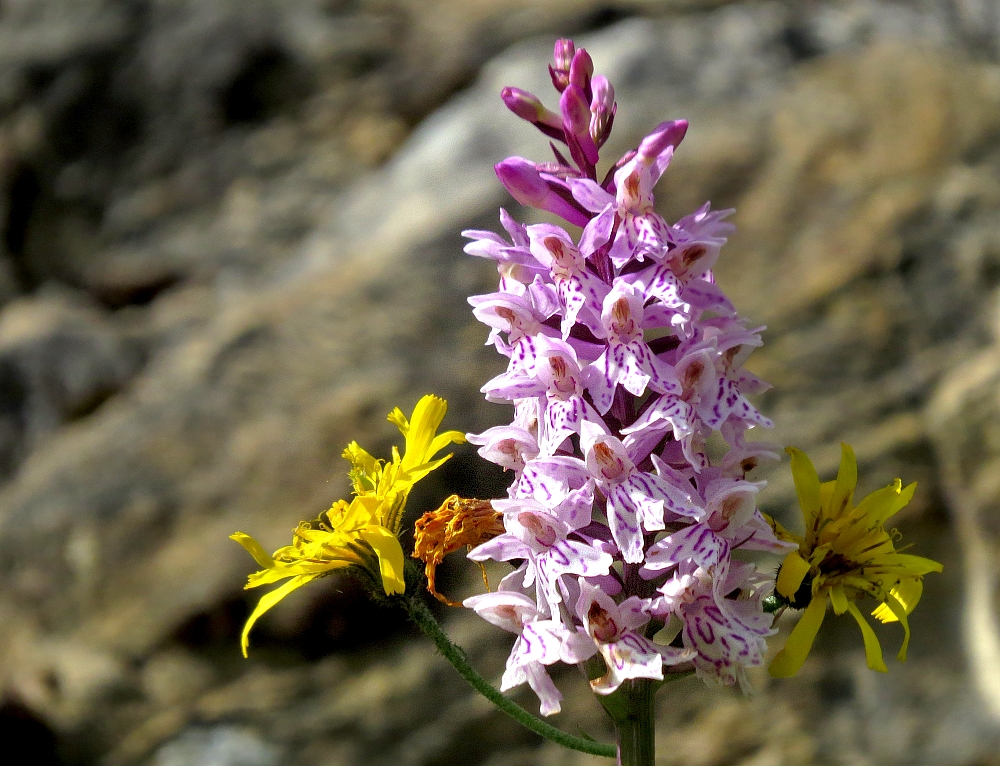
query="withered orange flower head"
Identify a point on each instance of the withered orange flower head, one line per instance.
(459, 521)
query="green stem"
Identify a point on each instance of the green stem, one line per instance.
(635, 723)
(422, 616)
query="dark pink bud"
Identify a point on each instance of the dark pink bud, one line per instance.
(563, 54)
(602, 109)
(563, 57)
(522, 180)
(575, 110)
(560, 79)
(581, 70)
(525, 184)
(529, 107)
(666, 134)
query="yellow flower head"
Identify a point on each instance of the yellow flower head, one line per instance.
(845, 554)
(362, 533)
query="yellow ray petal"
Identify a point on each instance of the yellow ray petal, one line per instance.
(900, 501)
(806, 484)
(878, 505)
(793, 571)
(800, 641)
(899, 612)
(421, 428)
(914, 566)
(412, 475)
(825, 495)
(390, 557)
(847, 480)
(266, 602)
(443, 440)
(873, 651)
(309, 568)
(906, 592)
(839, 599)
(254, 548)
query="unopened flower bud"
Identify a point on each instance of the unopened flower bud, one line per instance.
(563, 54)
(581, 70)
(575, 109)
(529, 107)
(602, 109)
(666, 134)
(563, 57)
(525, 184)
(522, 180)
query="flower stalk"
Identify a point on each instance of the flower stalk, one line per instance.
(635, 722)
(425, 620)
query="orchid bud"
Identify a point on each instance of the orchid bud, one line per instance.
(665, 135)
(525, 184)
(581, 70)
(563, 57)
(521, 178)
(529, 107)
(563, 54)
(575, 110)
(602, 109)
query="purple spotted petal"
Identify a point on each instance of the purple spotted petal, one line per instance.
(697, 543)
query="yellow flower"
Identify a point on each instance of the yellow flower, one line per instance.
(845, 554)
(364, 532)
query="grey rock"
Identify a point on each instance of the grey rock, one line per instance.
(218, 746)
(60, 359)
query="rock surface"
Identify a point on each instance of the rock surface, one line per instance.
(230, 245)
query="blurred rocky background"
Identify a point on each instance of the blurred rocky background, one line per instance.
(230, 244)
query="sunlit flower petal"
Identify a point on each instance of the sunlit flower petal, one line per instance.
(364, 533)
(800, 641)
(845, 555)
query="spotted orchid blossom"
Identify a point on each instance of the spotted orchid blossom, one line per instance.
(730, 519)
(633, 440)
(550, 479)
(625, 213)
(720, 616)
(554, 376)
(541, 536)
(581, 293)
(628, 360)
(743, 456)
(728, 505)
(516, 265)
(539, 642)
(625, 357)
(509, 447)
(615, 631)
(696, 241)
(517, 316)
(637, 501)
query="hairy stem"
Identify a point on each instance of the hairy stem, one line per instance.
(422, 616)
